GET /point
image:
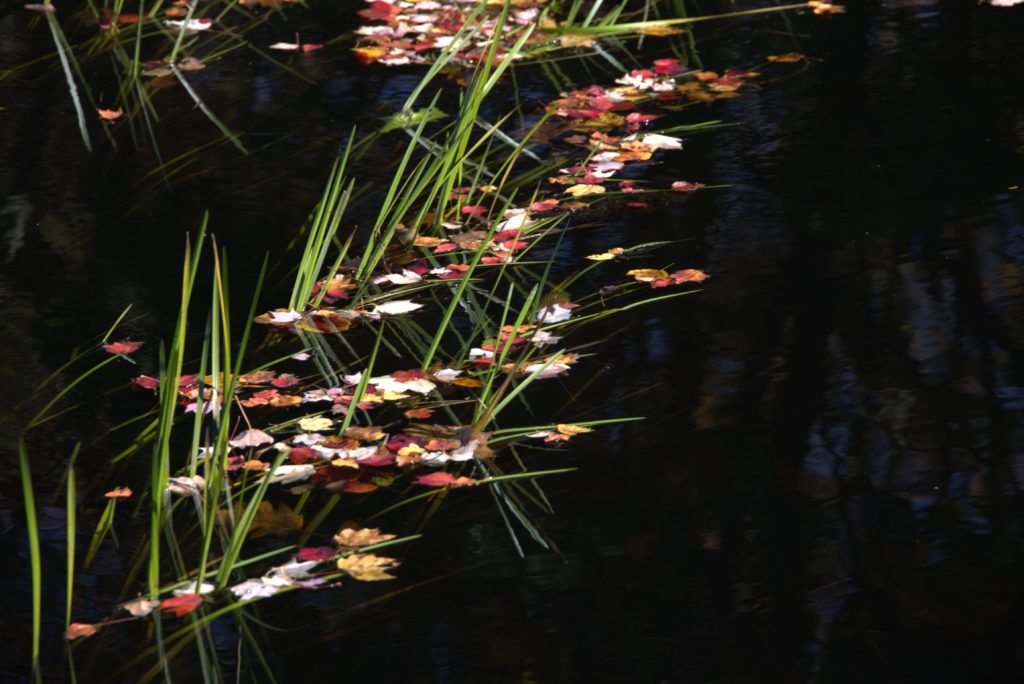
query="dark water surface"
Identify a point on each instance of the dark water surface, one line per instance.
(829, 483)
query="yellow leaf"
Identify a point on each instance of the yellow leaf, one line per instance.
(576, 40)
(646, 275)
(367, 567)
(571, 430)
(582, 189)
(353, 538)
(660, 31)
(607, 256)
(345, 463)
(314, 423)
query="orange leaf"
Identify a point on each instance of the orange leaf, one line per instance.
(181, 605)
(80, 629)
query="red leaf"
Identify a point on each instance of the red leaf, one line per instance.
(181, 605)
(284, 380)
(300, 455)
(144, 382)
(122, 347)
(380, 11)
(316, 553)
(445, 247)
(444, 479)
(419, 413)
(473, 210)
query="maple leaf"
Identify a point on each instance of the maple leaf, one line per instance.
(352, 538)
(582, 189)
(367, 567)
(122, 347)
(380, 11)
(251, 438)
(181, 605)
(444, 479)
(144, 382)
(77, 630)
(140, 607)
(315, 423)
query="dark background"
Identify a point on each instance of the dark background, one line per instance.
(828, 485)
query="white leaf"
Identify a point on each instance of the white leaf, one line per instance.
(140, 607)
(447, 374)
(285, 46)
(186, 486)
(253, 589)
(205, 588)
(251, 438)
(387, 383)
(556, 313)
(287, 474)
(552, 371)
(398, 306)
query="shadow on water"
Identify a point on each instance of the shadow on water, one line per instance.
(829, 483)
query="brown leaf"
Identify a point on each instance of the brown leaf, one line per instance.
(352, 538)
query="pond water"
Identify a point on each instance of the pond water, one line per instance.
(828, 483)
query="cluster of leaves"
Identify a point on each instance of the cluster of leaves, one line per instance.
(415, 32)
(310, 567)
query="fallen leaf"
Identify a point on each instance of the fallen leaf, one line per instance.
(315, 423)
(399, 306)
(251, 438)
(119, 493)
(367, 567)
(444, 479)
(122, 347)
(572, 430)
(583, 189)
(77, 630)
(181, 605)
(110, 114)
(646, 275)
(353, 538)
(140, 607)
(787, 58)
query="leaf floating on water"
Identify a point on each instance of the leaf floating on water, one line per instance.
(140, 607)
(251, 439)
(123, 347)
(190, 26)
(819, 7)
(583, 189)
(367, 567)
(119, 493)
(315, 423)
(685, 186)
(352, 538)
(646, 275)
(79, 630)
(606, 256)
(788, 58)
(289, 474)
(444, 479)
(110, 115)
(396, 307)
(181, 605)
(186, 486)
